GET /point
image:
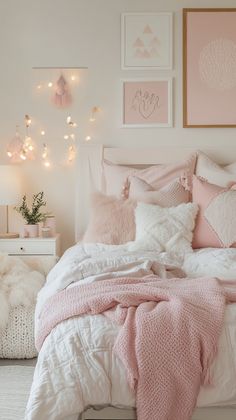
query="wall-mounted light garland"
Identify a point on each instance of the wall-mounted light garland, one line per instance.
(19, 150)
(60, 86)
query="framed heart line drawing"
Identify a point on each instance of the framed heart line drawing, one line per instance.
(147, 103)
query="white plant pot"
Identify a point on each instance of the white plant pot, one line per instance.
(31, 231)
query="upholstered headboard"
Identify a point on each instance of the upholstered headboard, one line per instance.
(89, 176)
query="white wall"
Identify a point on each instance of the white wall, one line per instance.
(85, 33)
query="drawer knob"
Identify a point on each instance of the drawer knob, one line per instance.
(22, 248)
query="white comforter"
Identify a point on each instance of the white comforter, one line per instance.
(76, 367)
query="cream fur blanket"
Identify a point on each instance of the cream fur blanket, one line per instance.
(19, 285)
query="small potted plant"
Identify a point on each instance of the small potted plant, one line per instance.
(32, 215)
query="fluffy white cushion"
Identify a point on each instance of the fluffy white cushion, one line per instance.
(164, 229)
(19, 285)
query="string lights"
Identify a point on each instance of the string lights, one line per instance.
(28, 121)
(71, 153)
(28, 145)
(45, 156)
(94, 111)
(70, 122)
(45, 153)
(49, 84)
(15, 146)
(19, 150)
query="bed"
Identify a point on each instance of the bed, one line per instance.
(212, 406)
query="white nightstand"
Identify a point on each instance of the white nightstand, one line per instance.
(39, 254)
(31, 246)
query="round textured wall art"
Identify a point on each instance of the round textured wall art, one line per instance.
(217, 64)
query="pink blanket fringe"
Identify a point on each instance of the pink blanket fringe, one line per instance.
(169, 335)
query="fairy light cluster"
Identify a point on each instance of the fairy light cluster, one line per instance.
(49, 84)
(22, 150)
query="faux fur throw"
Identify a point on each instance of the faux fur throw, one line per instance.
(168, 339)
(19, 285)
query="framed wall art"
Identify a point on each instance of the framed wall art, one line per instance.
(146, 41)
(209, 67)
(147, 103)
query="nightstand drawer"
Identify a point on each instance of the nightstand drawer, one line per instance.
(34, 246)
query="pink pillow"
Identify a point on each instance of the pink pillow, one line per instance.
(111, 220)
(170, 195)
(116, 176)
(216, 220)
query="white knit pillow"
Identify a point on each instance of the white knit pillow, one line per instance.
(170, 195)
(164, 229)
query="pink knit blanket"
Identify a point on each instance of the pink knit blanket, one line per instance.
(168, 339)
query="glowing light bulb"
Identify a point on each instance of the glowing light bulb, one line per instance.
(71, 153)
(42, 133)
(22, 155)
(72, 136)
(68, 120)
(66, 136)
(39, 87)
(50, 84)
(28, 120)
(72, 78)
(45, 151)
(87, 138)
(47, 164)
(94, 111)
(9, 154)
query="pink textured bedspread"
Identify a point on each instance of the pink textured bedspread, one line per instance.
(168, 339)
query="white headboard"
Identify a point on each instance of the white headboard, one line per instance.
(89, 175)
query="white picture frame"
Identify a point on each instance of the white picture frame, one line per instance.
(147, 102)
(147, 41)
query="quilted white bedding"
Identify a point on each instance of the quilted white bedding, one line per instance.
(76, 367)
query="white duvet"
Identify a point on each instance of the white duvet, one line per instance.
(76, 367)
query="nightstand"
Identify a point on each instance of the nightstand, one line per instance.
(31, 246)
(39, 254)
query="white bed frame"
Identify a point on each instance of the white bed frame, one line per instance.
(90, 178)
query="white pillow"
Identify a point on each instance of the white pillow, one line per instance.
(164, 229)
(214, 173)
